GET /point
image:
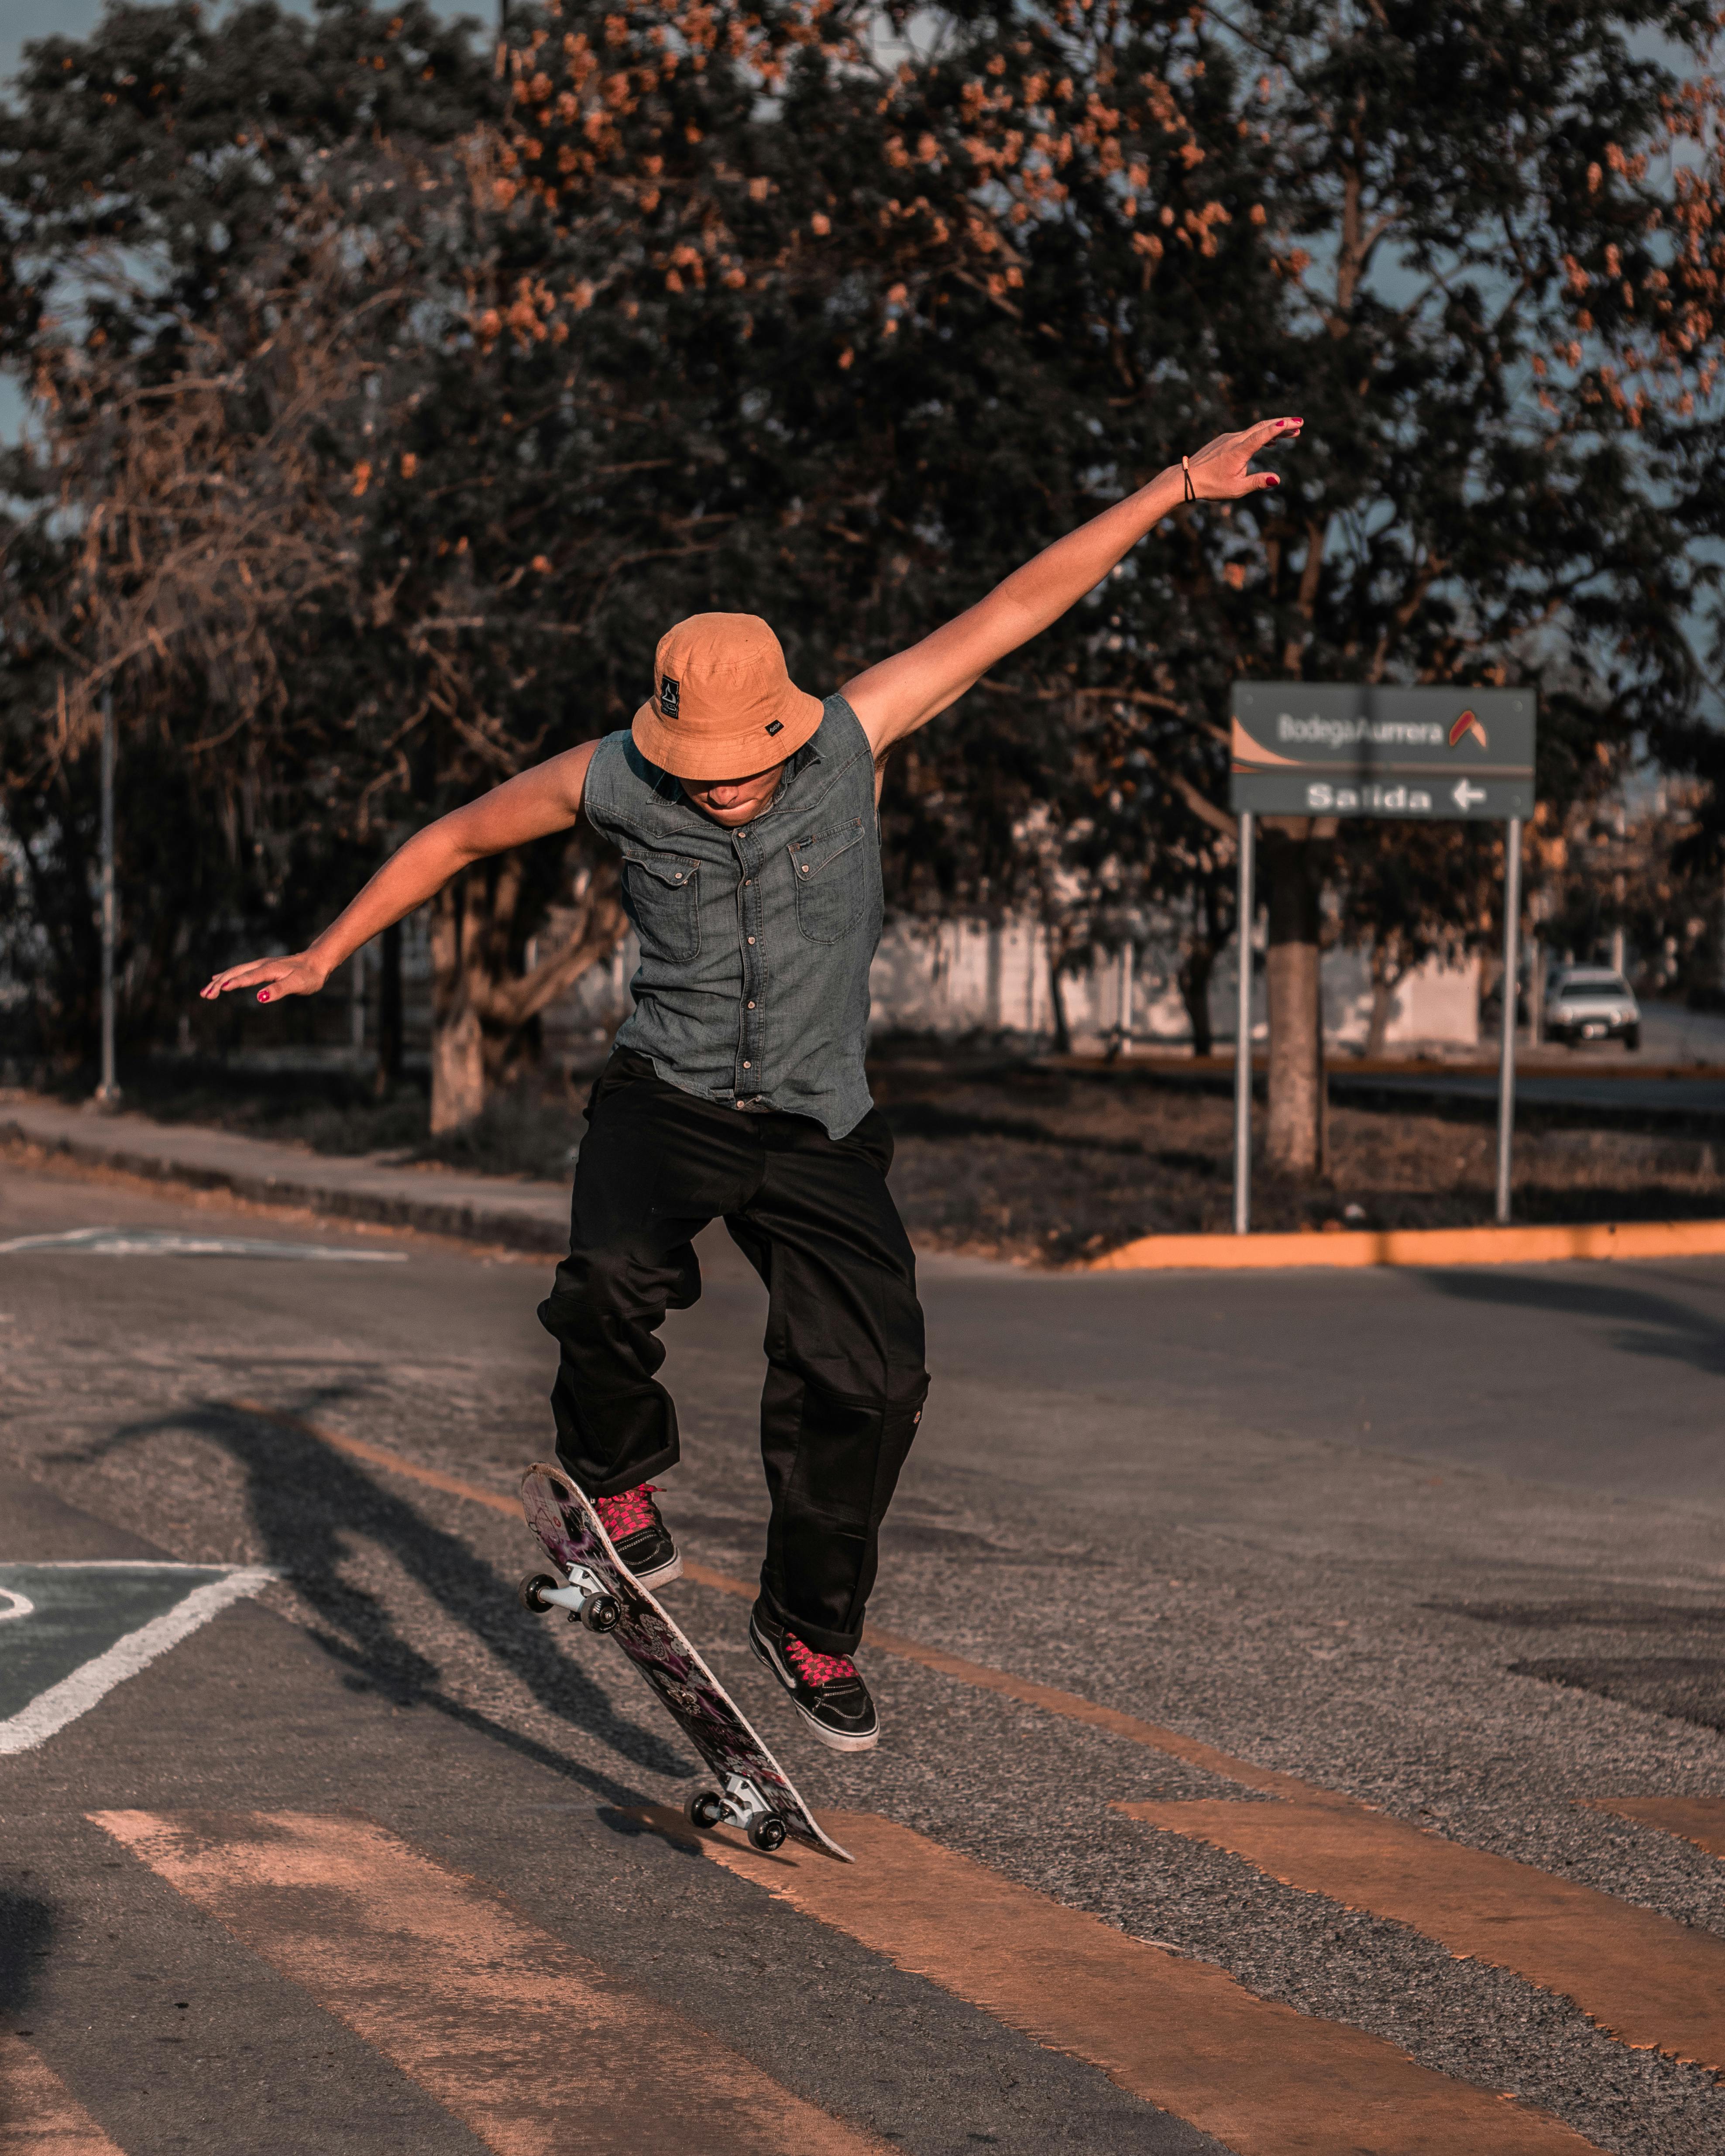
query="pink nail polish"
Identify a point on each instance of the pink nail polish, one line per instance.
(1274, 481)
(262, 995)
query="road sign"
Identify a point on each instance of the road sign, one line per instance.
(1323, 749)
(1334, 748)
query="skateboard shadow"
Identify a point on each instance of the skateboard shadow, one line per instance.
(304, 1497)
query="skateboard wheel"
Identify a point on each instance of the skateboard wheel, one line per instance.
(530, 1594)
(599, 1612)
(705, 1808)
(767, 1832)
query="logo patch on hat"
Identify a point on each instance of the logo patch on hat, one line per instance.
(668, 694)
(775, 725)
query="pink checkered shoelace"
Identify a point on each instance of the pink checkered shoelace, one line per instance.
(628, 1511)
(816, 1669)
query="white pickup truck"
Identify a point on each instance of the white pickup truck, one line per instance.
(1591, 1003)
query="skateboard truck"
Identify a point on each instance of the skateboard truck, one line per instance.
(586, 1597)
(741, 1805)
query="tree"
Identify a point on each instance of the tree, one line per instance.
(1493, 268)
(900, 306)
(244, 436)
(182, 528)
(1492, 292)
(727, 310)
(1495, 235)
(180, 296)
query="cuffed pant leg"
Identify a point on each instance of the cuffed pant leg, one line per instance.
(845, 1386)
(833, 1462)
(655, 1167)
(616, 1425)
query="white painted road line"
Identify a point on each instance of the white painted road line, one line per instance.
(74, 1695)
(168, 1243)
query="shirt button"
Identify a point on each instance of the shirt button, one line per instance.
(751, 939)
(805, 868)
(748, 881)
(752, 1003)
(748, 1066)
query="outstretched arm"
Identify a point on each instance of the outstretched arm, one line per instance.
(532, 805)
(900, 694)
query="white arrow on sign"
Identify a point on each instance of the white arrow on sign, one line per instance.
(1465, 795)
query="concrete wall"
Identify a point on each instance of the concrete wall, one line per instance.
(953, 978)
(961, 976)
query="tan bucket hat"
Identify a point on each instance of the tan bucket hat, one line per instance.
(724, 705)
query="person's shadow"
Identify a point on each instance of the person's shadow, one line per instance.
(27, 1933)
(305, 1496)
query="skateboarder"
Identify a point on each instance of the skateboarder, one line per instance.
(745, 812)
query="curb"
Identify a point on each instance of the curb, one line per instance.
(518, 1228)
(509, 1229)
(1352, 1248)
(1150, 1064)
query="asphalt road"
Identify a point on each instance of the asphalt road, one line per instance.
(1441, 1552)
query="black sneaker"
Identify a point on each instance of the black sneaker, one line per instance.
(641, 1538)
(827, 1690)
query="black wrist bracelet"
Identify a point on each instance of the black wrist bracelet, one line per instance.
(1186, 474)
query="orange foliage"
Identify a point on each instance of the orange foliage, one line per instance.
(604, 130)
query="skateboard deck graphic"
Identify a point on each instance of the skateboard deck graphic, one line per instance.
(753, 1789)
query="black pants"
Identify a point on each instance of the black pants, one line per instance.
(844, 1381)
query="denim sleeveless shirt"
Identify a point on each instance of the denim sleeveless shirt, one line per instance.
(756, 943)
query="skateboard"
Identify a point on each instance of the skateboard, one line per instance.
(599, 1591)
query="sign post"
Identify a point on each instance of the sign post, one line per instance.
(1332, 748)
(1507, 1049)
(107, 1092)
(1242, 1038)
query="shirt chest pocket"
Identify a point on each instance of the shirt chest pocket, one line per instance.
(830, 873)
(660, 898)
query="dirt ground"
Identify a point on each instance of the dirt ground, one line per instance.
(1030, 1160)
(1060, 1164)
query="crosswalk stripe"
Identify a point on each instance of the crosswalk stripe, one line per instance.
(529, 2044)
(1699, 1820)
(1181, 2034)
(1690, 2026)
(39, 2115)
(1655, 1984)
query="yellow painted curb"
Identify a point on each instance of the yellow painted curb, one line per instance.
(1418, 1246)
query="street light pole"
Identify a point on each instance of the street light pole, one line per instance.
(1506, 1053)
(108, 1092)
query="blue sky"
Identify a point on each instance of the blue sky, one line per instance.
(23, 19)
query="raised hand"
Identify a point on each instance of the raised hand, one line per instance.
(297, 975)
(1221, 469)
